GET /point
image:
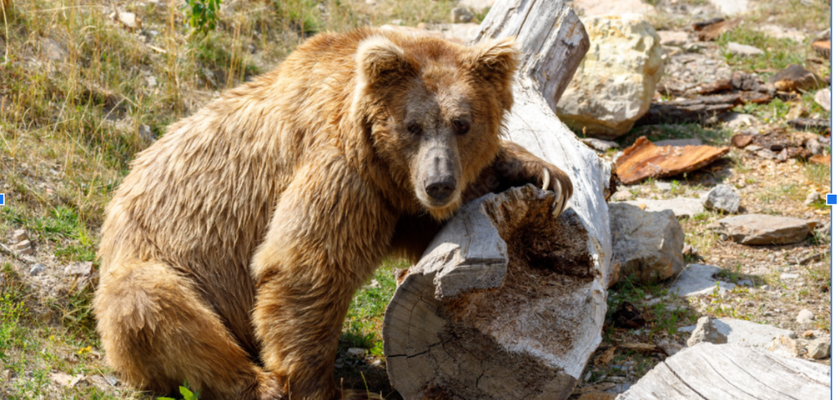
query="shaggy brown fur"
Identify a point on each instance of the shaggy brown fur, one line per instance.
(232, 250)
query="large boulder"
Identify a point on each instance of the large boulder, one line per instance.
(647, 245)
(616, 81)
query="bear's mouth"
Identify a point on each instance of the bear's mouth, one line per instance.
(440, 209)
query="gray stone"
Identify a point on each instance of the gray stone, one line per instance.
(648, 245)
(745, 333)
(813, 198)
(36, 269)
(24, 247)
(753, 148)
(599, 145)
(461, 15)
(673, 38)
(356, 352)
(805, 317)
(722, 197)
(788, 277)
(670, 347)
(699, 280)
(731, 7)
(679, 142)
(823, 98)
(616, 81)
(706, 332)
(145, 132)
(819, 348)
(814, 147)
(768, 154)
(743, 49)
(683, 207)
(79, 269)
(758, 229)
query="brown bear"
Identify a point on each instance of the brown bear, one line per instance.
(232, 250)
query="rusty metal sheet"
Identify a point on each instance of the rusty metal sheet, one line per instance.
(645, 160)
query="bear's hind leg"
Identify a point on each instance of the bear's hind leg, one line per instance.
(158, 333)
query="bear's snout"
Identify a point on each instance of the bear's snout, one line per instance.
(440, 187)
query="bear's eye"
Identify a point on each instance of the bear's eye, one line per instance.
(461, 127)
(414, 128)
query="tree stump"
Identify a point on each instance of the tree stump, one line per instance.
(507, 302)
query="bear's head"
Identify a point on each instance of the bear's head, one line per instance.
(434, 110)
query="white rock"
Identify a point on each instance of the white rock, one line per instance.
(698, 280)
(805, 317)
(743, 49)
(616, 81)
(128, 19)
(788, 277)
(812, 198)
(673, 38)
(823, 98)
(20, 235)
(819, 348)
(356, 352)
(648, 245)
(706, 332)
(593, 8)
(737, 120)
(784, 345)
(79, 269)
(36, 269)
(599, 145)
(731, 7)
(682, 207)
(722, 197)
(23, 247)
(745, 333)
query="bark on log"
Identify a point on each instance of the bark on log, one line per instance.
(508, 303)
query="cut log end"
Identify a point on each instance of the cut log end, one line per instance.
(490, 343)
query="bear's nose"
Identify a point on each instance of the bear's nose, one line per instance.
(440, 187)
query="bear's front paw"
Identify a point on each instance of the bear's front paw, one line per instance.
(271, 387)
(559, 183)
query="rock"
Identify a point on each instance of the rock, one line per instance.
(599, 145)
(476, 5)
(823, 98)
(768, 154)
(821, 125)
(356, 352)
(814, 147)
(722, 197)
(781, 32)
(805, 317)
(698, 280)
(622, 195)
(128, 19)
(796, 78)
(645, 160)
(741, 140)
(784, 345)
(670, 347)
(36, 269)
(145, 132)
(705, 332)
(151, 81)
(819, 349)
(737, 120)
(24, 247)
(66, 380)
(647, 245)
(678, 142)
(461, 15)
(682, 207)
(673, 38)
(731, 7)
(616, 81)
(593, 8)
(813, 198)
(757, 229)
(53, 50)
(20, 235)
(789, 277)
(743, 49)
(745, 333)
(754, 148)
(712, 29)
(82, 269)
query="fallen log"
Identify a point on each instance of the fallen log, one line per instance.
(731, 371)
(506, 302)
(698, 109)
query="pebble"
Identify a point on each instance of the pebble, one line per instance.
(812, 198)
(819, 349)
(36, 269)
(356, 352)
(20, 235)
(805, 317)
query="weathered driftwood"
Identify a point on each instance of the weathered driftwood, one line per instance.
(709, 371)
(698, 109)
(508, 303)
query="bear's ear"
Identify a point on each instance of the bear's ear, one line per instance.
(494, 60)
(379, 61)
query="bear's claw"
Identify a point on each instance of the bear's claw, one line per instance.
(560, 195)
